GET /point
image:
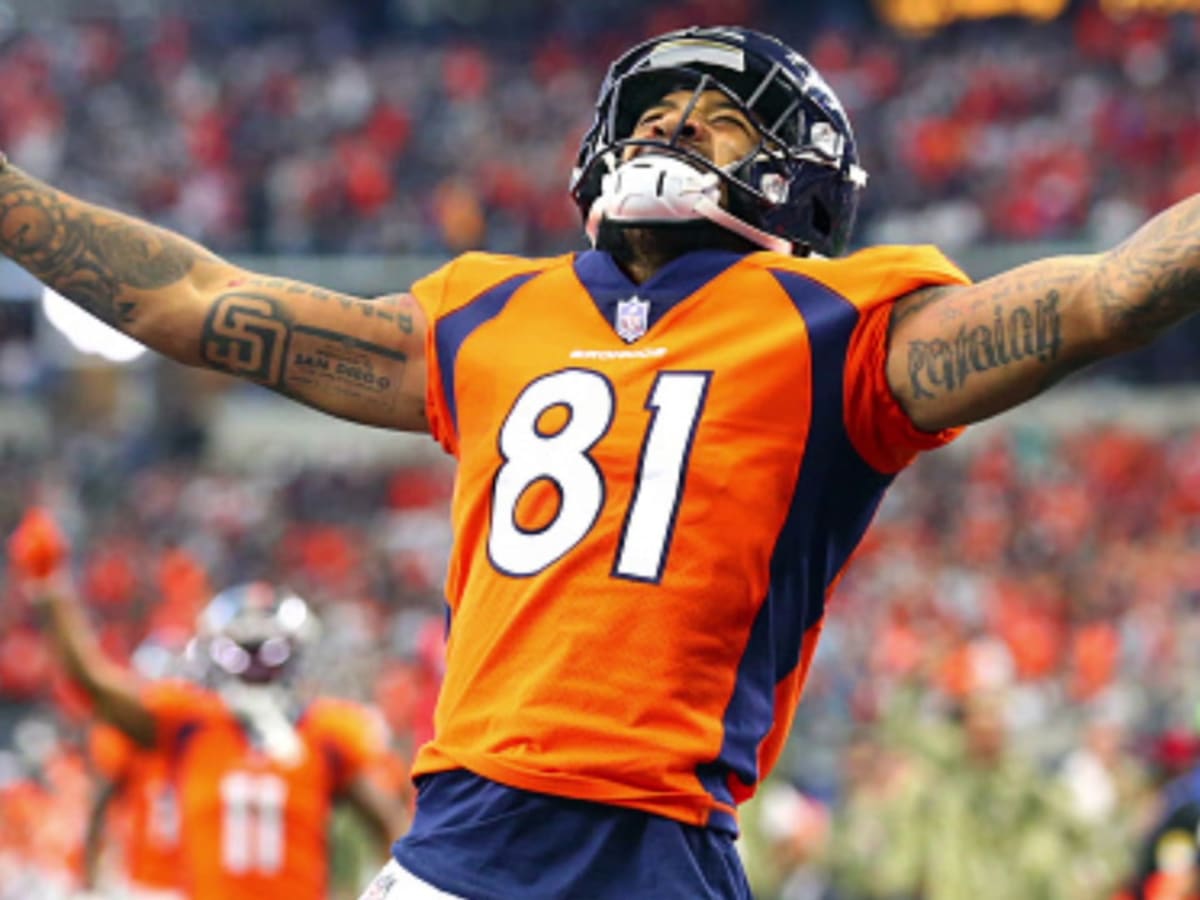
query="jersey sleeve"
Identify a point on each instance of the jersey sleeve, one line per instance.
(175, 705)
(430, 293)
(442, 293)
(879, 428)
(110, 752)
(355, 735)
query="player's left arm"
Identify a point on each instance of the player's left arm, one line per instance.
(958, 354)
(37, 556)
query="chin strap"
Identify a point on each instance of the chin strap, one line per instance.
(656, 189)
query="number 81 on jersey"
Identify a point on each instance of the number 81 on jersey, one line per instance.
(675, 401)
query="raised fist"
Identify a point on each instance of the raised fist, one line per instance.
(37, 548)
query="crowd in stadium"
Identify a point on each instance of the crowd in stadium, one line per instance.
(321, 139)
(997, 588)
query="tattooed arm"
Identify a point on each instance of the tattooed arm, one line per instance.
(351, 357)
(961, 354)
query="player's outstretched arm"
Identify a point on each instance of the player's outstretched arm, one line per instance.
(960, 354)
(352, 357)
(112, 689)
(37, 554)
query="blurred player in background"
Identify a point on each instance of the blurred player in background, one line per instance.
(136, 801)
(668, 445)
(256, 771)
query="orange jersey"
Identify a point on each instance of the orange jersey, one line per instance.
(658, 485)
(255, 825)
(147, 796)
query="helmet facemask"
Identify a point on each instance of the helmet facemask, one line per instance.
(254, 661)
(794, 191)
(254, 633)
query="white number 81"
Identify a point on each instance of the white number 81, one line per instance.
(563, 457)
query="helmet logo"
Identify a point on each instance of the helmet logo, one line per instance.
(633, 318)
(826, 139)
(774, 187)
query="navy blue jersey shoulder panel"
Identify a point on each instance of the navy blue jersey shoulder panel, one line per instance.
(454, 328)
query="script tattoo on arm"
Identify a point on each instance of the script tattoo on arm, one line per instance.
(89, 255)
(961, 353)
(1027, 331)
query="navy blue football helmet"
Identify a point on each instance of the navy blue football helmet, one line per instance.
(796, 191)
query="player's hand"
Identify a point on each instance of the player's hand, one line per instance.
(37, 549)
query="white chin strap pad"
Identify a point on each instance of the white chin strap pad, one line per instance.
(657, 189)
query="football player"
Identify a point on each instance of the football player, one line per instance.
(668, 445)
(256, 772)
(135, 787)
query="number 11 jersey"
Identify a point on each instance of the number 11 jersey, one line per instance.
(658, 485)
(255, 824)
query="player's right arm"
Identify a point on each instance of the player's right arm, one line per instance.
(356, 358)
(37, 554)
(114, 691)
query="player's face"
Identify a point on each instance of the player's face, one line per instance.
(716, 128)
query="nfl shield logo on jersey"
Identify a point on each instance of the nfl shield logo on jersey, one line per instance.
(633, 318)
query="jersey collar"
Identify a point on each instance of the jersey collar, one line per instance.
(607, 283)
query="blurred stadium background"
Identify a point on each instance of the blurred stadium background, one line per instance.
(1040, 578)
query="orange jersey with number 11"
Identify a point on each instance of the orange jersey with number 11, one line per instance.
(658, 484)
(255, 824)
